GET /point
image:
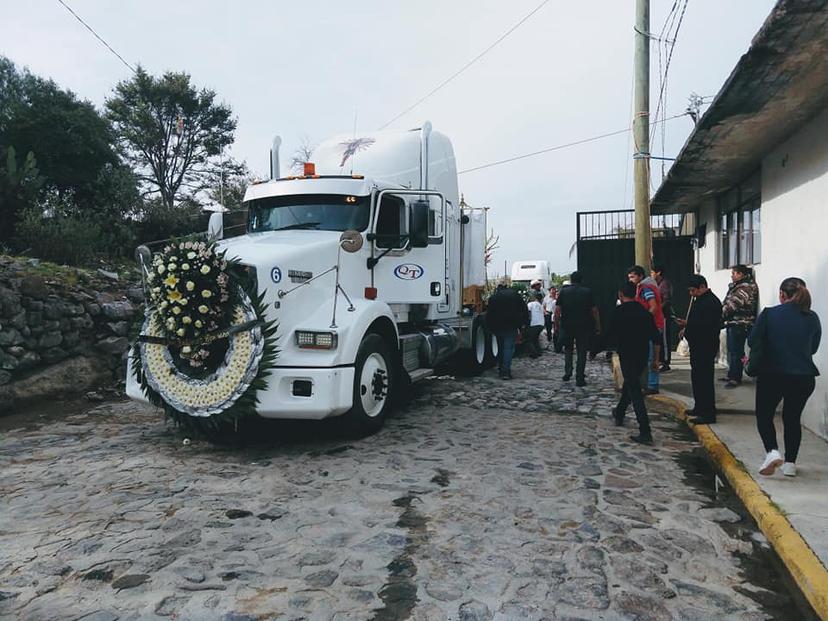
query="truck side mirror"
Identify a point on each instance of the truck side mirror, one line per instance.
(215, 227)
(418, 224)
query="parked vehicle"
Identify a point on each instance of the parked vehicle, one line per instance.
(524, 272)
(363, 260)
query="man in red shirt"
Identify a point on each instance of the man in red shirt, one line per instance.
(648, 295)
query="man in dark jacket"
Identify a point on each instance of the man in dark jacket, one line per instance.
(578, 319)
(505, 315)
(702, 328)
(632, 331)
(738, 315)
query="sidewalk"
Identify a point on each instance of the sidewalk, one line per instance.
(801, 499)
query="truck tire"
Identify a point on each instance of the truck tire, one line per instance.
(492, 349)
(373, 386)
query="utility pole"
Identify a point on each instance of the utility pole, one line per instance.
(641, 136)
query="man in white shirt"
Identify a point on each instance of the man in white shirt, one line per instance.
(549, 303)
(535, 325)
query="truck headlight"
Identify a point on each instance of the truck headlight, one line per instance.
(306, 339)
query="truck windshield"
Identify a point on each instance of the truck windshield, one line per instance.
(323, 212)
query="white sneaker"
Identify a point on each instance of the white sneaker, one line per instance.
(789, 469)
(772, 461)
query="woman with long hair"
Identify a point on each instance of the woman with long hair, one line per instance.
(788, 336)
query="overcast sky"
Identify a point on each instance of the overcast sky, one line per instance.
(304, 69)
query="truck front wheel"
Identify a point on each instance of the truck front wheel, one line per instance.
(373, 386)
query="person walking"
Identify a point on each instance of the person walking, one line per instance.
(702, 328)
(738, 315)
(633, 332)
(787, 336)
(577, 317)
(648, 296)
(665, 288)
(535, 325)
(549, 303)
(505, 315)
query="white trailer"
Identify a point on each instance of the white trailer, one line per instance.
(363, 261)
(524, 272)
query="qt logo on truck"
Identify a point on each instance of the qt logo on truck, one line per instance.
(408, 271)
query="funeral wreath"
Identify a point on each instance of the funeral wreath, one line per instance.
(205, 348)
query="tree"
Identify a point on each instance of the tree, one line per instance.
(301, 155)
(171, 132)
(228, 184)
(49, 135)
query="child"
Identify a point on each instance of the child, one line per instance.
(535, 324)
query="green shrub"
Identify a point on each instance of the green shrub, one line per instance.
(62, 239)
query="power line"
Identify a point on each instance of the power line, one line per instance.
(562, 146)
(97, 36)
(466, 66)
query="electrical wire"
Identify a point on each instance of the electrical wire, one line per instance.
(466, 66)
(97, 36)
(562, 146)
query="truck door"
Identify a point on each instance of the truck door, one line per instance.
(402, 273)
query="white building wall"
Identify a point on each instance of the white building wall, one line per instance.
(794, 232)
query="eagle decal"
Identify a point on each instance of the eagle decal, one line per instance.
(352, 146)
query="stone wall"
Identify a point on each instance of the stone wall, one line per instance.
(62, 331)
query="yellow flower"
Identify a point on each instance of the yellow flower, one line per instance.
(174, 295)
(171, 281)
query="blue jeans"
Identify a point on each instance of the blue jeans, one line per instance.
(506, 344)
(736, 337)
(652, 376)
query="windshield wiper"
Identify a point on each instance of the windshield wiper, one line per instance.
(298, 225)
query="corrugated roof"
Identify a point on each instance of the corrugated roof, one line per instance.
(777, 86)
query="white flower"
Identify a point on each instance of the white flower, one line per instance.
(171, 267)
(191, 254)
(180, 332)
(186, 319)
(206, 293)
(186, 349)
(190, 285)
(185, 266)
(198, 323)
(183, 301)
(205, 269)
(176, 310)
(173, 258)
(203, 309)
(161, 269)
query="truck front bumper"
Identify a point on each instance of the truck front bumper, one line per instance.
(330, 392)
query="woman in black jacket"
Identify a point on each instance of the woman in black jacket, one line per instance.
(790, 335)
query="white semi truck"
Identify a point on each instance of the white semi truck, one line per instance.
(363, 261)
(524, 272)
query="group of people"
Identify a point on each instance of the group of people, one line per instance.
(782, 341)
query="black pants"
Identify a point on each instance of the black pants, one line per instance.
(702, 360)
(631, 392)
(667, 347)
(793, 391)
(571, 340)
(547, 323)
(532, 344)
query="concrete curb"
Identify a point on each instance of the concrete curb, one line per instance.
(806, 569)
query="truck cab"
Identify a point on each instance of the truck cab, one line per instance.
(359, 261)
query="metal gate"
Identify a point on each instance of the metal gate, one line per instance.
(606, 248)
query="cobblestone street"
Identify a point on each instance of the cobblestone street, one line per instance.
(480, 499)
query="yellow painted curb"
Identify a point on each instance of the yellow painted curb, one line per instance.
(806, 569)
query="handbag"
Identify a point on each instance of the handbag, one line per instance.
(756, 357)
